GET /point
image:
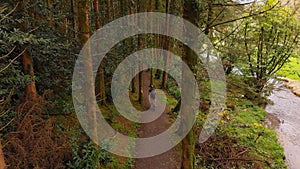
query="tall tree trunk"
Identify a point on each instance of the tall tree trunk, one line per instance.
(75, 17)
(140, 42)
(143, 6)
(108, 10)
(30, 89)
(134, 81)
(96, 10)
(2, 159)
(150, 9)
(157, 40)
(100, 74)
(64, 27)
(141, 73)
(188, 143)
(167, 47)
(84, 35)
(51, 23)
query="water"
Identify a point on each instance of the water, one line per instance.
(287, 109)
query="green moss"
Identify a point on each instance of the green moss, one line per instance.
(246, 124)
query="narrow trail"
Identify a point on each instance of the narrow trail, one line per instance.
(168, 160)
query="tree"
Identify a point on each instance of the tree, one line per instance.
(2, 160)
(100, 73)
(166, 45)
(84, 35)
(188, 142)
(142, 92)
(30, 90)
(269, 41)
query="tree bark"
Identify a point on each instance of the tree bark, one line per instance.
(167, 47)
(30, 89)
(84, 35)
(100, 73)
(108, 10)
(141, 73)
(51, 23)
(134, 81)
(2, 159)
(64, 27)
(188, 143)
(96, 10)
(75, 17)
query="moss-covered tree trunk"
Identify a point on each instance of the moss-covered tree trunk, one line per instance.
(188, 143)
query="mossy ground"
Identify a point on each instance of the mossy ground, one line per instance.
(291, 70)
(242, 137)
(247, 124)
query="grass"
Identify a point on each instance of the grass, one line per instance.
(244, 121)
(291, 69)
(246, 124)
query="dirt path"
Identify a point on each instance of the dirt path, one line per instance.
(167, 160)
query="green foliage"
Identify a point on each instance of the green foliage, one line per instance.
(244, 121)
(291, 69)
(246, 124)
(260, 45)
(127, 165)
(89, 156)
(173, 89)
(12, 79)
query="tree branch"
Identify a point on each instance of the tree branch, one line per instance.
(244, 17)
(12, 61)
(10, 12)
(5, 56)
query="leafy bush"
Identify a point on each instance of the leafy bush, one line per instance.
(89, 156)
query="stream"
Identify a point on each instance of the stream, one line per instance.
(286, 109)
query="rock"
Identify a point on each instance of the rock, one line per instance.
(294, 85)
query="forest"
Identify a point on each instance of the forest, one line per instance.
(147, 84)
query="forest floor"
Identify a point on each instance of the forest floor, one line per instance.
(168, 160)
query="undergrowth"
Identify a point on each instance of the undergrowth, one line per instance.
(241, 140)
(88, 155)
